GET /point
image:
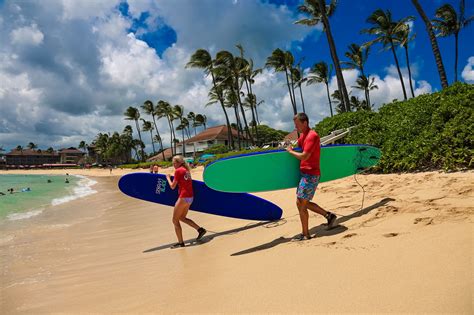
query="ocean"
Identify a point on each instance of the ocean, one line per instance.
(23, 204)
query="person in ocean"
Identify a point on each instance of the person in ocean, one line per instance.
(182, 179)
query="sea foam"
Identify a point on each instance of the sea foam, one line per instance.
(83, 188)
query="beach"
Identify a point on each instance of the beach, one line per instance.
(403, 244)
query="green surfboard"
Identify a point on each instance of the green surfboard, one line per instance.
(275, 170)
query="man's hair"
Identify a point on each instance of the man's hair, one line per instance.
(302, 117)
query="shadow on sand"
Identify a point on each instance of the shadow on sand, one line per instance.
(320, 230)
(210, 237)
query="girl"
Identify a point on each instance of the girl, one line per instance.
(182, 179)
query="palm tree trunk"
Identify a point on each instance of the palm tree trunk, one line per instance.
(335, 59)
(399, 72)
(329, 97)
(184, 145)
(152, 143)
(140, 136)
(434, 44)
(409, 71)
(237, 121)
(292, 91)
(456, 35)
(302, 100)
(230, 137)
(289, 91)
(161, 141)
(171, 133)
(253, 101)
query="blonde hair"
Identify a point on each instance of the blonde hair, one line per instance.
(179, 159)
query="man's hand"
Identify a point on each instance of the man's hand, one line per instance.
(289, 148)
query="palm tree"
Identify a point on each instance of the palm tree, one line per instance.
(49, 150)
(31, 146)
(366, 84)
(202, 59)
(249, 74)
(298, 79)
(282, 61)
(337, 96)
(449, 23)
(150, 109)
(132, 113)
(434, 44)
(386, 31)
(320, 73)
(148, 126)
(201, 120)
(319, 13)
(357, 58)
(164, 109)
(192, 118)
(82, 145)
(403, 37)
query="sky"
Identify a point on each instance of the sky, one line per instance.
(69, 69)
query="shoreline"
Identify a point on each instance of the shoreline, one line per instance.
(405, 245)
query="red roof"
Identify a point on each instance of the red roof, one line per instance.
(213, 133)
(30, 152)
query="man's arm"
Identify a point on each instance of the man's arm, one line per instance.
(302, 156)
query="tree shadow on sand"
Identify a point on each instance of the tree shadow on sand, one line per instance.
(210, 237)
(320, 230)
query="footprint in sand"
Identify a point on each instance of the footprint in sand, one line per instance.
(425, 220)
(390, 234)
(349, 235)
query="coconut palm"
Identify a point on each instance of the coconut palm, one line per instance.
(337, 96)
(232, 69)
(403, 37)
(434, 44)
(164, 109)
(192, 119)
(366, 84)
(248, 74)
(82, 145)
(282, 61)
(320, 73)
(31, 146)
(150, 109)
(148, 126)
(357, 57)
(298, 79)
(448, 22)
(385, 30)
(201, 120)
(132, 113)
(319, 13)
(202, 59)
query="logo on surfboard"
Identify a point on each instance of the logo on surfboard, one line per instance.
(160, 186)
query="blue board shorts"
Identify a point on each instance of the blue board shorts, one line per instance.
(307, 186)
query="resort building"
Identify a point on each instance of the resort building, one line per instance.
(195, 146)
(39, 158)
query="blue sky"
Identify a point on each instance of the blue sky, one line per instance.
(69, 69)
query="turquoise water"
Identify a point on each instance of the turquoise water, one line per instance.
(20, 205)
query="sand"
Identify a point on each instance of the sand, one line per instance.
(405, 245)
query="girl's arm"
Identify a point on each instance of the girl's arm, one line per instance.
(171, 183)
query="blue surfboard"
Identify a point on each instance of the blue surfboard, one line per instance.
(155, 188)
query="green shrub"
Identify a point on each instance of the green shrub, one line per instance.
(431, 131)
(216, 149)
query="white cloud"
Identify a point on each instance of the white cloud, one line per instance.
(27, 35)
(468, 71)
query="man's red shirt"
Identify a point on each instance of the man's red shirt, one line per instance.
(309, 142)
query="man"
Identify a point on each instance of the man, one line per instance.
(309, 142)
